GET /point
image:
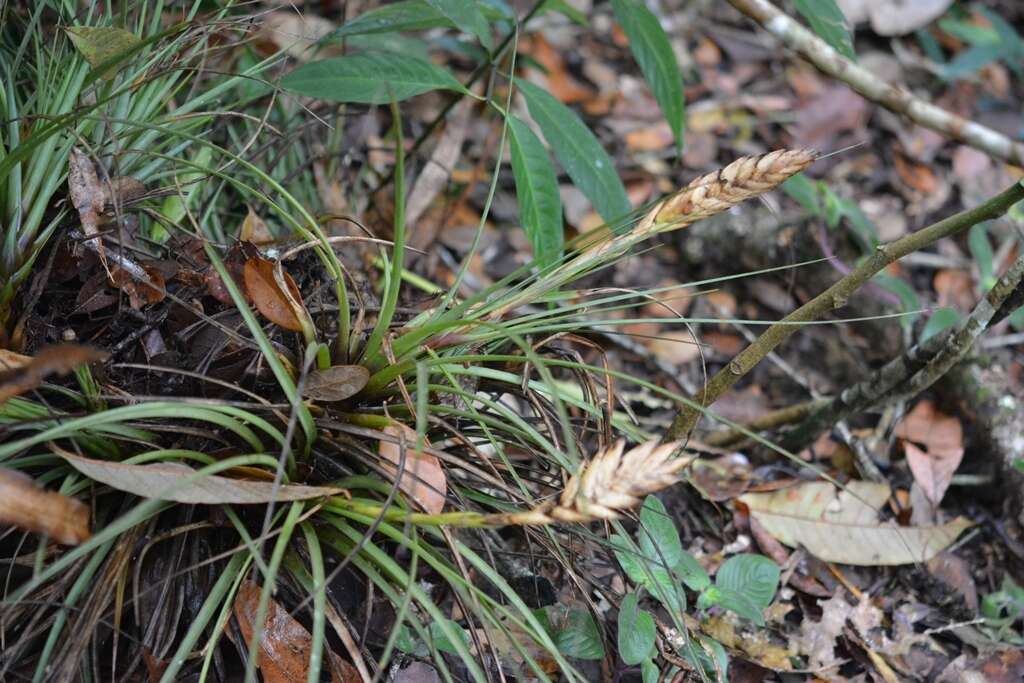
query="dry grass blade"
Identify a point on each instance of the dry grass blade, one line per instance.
(614, 481)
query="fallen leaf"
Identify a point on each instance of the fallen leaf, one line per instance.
(433, 179)
(177, 482)
(60, 359)
(821, 119)
(892, 17)
(298, 35)
(336, 383)
(285, 644)
(560, 82)
(140, 293)
(270, 298)
(26, 505)
(87, 196)
(941, 436)
(101, 44)
(254, 229)
(9, 360)
(757, 644)
(955, 288)
(817, 639)
(916, 176)
(676, 347)
(842, 525)
(423, 479)
(955, 572)
(722, 478)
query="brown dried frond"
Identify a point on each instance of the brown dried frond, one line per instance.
(615, 480)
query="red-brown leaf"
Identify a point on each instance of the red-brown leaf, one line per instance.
(270, 299)
(26, 505)
(423, 479)
(60, 359)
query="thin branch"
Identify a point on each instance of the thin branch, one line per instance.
(868, 84)
(835, 297)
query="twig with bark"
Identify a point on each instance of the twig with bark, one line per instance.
(868, 84)
(835, 297)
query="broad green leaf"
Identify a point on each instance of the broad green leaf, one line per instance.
(442, 642)
(540, 206)
(467, 17)
(369, 78)
(981, 250)
(649, 671)
(101, 45)
(586, 162)
(755, 576)
(940, 320)
(636, 631)
(389, 42)
(652, 576)
(653, 52)
(659, 539)
(740, 603)
(692, 573)
(576, 633)
(407, 15)
(566, 10)
(828, 21)
(804, 192)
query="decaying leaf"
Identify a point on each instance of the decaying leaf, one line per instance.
(757, 643)
(278, 306)
(423, 480)
(336, 383)
(176, 482)
(60, 359)
(254, 229)
(88, 196)
(26, 505)
(817, 639)
(285, 644)
(298, 35)
(9, 360)
(892, 18)
(941, 436)
(842, 525)
(140, 293)
(101, 44)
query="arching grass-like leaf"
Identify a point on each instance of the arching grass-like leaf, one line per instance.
(369, 78)
(467, 17)
(540, 207)
(653, 52)
(579, 152)
(828, 21)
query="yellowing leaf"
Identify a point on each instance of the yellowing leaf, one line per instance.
(423, 480)
(179, 483)
(842, 525)
(101, 44)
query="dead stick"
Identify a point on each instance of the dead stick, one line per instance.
(835, 297)
(868, 84)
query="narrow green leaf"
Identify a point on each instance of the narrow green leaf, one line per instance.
(653, 52)
(407, 15)
(540, 207)
(466, 15)
(579, 152)
(755, 576)
(907, 295)
(369, 78)
(940, 320)
(984, 257)
(804, 192)
(828, 21)
(659, 539)
(636, 631)
(653, 577)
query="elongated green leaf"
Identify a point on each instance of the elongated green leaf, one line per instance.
(466, 15)
(828, 21)
(540, 207)
(407, 15)
(636, 631)
(576, 633)
(755, 576)
(940, 320)
(579, 152)
(369, 78)
(653, 52)
(658, 537)
(984, 257)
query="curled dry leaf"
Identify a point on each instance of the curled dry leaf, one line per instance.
(179, 483)
(26, 505)
(942, 437)
(336, 383)
(60, 359)
(9, 360)
(254, 229)
(285, 644)
(88, 196)
(842, 525)
(423, 479)
(277, 305)
(140, 293)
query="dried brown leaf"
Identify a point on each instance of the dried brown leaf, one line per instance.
(179, 483)
(140, 293)
(9, 360)
(254, 229)
(285, 644)
(270, 298)
(941, 436)
(336, 383)
(60, 359)
(26, 505)
(88, 195)
(423, 479)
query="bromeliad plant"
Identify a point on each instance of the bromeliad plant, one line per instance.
(406, 437)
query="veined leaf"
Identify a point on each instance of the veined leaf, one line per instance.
(828, 21)
(636, 631)
(755, 576)
(659, 539)
(407, 15)
(101, 45)
(540, 207)
(579, 152)
(576, 632)
(369, 78)
(653, 52)
(842, 525)
(466, 15)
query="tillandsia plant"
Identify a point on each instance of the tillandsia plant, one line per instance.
(314, 449)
